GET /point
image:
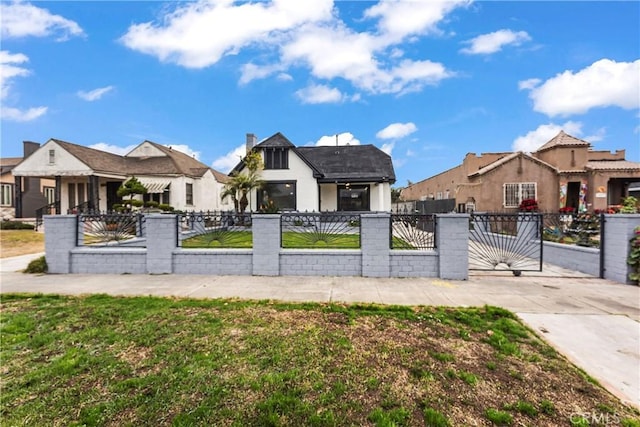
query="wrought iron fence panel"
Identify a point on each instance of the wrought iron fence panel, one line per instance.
(328, 230)
(109, 228)
(413, 231)
(581, 229)
(505, 242)
(215, 229)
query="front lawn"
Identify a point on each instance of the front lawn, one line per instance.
(145, 361)
(20, 242)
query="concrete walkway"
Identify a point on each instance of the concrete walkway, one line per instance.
(595, 323)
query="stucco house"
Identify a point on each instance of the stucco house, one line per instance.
(36, 192)
(326, 178)
(88, 179)
(564, 172)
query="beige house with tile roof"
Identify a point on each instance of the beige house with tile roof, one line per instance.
(88, 179)
(564, 172)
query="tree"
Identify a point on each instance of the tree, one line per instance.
(131, 188)
(395, 194)
(241, 184)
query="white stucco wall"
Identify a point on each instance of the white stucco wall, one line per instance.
(38, 164)
(306, 185)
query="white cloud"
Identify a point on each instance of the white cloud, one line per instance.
(397, 131)
(183, 148)
(9, 71)
(230, 160)
(114, 149)
(388, 147)
(319, 94)
(197, 35)
(528, 84)
(95, 94)
(540, 136)
(345, 138)
(23, 19)
(399, 19)
(18, 115)
(486, 44)
(293, 33)
(604, 83)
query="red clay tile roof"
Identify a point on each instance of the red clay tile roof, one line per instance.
(613, 165)
(564, 140)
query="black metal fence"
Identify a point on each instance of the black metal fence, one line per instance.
(214, 229)
(413, 231)
(325, 230)
(109, 228)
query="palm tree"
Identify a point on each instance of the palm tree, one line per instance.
(239, 187)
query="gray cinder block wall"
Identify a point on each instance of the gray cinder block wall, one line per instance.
(452, 243)
(618, 230)
(60, 239)
(374, 243)
(266, 244)
(162, 238)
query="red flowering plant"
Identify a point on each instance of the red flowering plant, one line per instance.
(634, 256)
(567, 210)
(528, 205)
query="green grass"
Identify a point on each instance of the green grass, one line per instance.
(145, 361)
(290, 240)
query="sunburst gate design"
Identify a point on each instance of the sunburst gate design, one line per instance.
(330, 230)
(413, 231)
(110, 228)
(510, 242)
(215, 229)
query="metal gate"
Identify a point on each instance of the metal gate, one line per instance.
(505, 242)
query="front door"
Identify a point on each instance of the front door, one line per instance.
(112, 194)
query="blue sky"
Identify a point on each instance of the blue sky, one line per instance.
(426, 81)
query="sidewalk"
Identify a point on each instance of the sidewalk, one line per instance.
(593, 322)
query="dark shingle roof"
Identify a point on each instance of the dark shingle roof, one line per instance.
(277, 140)
(349, 163)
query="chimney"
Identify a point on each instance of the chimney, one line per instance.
(28, 148)
(251, 142)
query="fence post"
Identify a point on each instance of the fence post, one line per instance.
(619, 231)
(374, 242)
(266, 244)
(452, 236)
(59, 239)
(162, 233)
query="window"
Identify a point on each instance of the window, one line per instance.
(282, 194)
(161, 198)
(52, 157)
(439, 195)
(189, 196)
(353, 197)
(276, 158)
(49, 194)
(6, 194)
(514, 193)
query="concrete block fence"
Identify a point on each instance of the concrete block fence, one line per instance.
(449, 260)
(162, 254)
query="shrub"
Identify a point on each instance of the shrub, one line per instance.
(38, 265)
(151, 204)
(629, 205)
(499, 418)
(634, 256)
(165, 207)
(528, 205)
(15, 225)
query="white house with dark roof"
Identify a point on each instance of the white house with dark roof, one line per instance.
(88, 179)
(326, 178)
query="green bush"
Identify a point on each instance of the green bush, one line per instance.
(165, 207)
(38, 265)
(15, 225)
(151, 204)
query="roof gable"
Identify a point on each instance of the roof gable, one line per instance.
(563, 140)
(277, 140)
(507, 159)
(65, 161)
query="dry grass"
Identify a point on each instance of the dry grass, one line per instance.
(20, 242)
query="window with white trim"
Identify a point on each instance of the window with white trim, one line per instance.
(50, 194)
(6, 195)
(514, 193)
